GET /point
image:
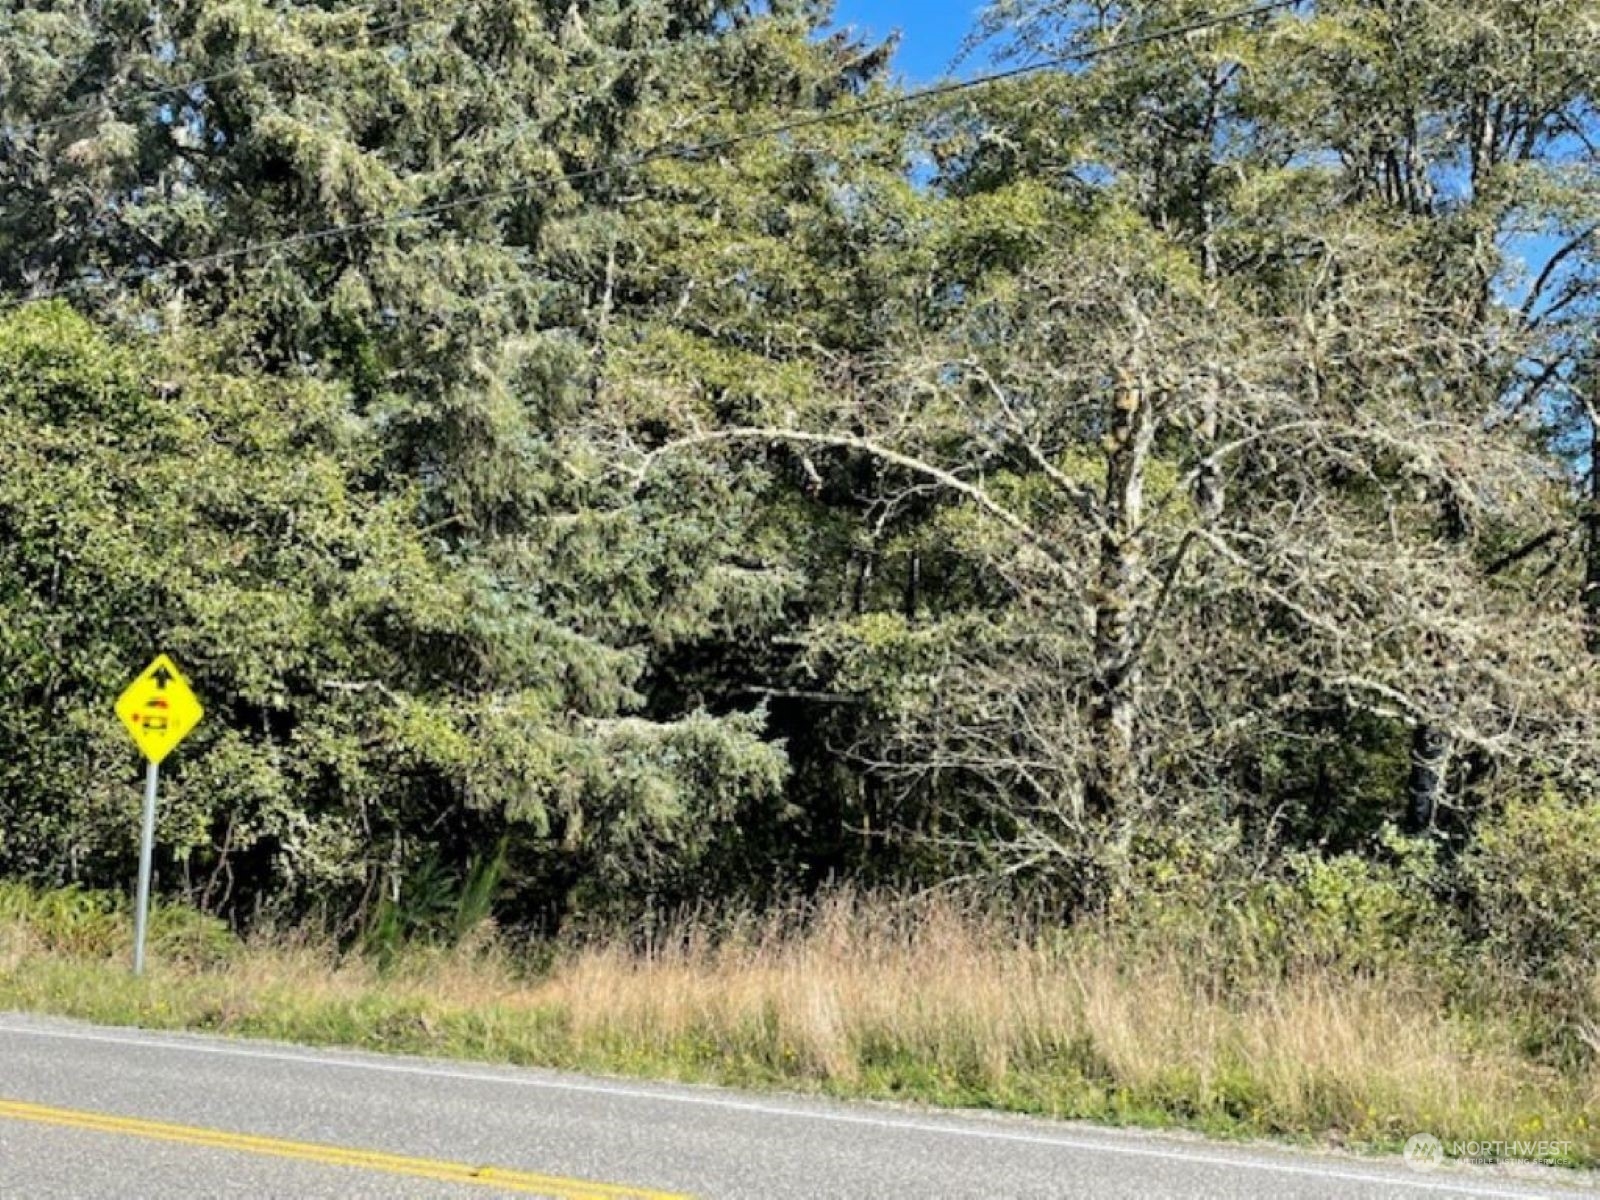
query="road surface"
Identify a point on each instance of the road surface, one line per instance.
(94, 1112)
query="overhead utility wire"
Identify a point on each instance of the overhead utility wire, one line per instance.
(671, 151)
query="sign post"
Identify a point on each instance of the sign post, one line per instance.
(147, 846)
(159, 710)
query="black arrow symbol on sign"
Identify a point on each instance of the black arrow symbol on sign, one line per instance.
(162, 676)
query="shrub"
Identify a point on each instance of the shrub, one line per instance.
(71, 920)
(1207, 902)
(96, 924)
(181, 934)
(1362, 913)
(1534, 874)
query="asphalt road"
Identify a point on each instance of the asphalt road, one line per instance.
(93, 1112)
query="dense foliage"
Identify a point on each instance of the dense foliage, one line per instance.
(1160, 474)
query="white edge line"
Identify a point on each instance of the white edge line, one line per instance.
(188, 1042)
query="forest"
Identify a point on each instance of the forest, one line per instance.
(598, 458)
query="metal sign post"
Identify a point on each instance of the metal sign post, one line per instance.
(159, 710)
(147, 844)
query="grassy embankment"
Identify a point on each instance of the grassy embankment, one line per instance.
(865, 1000)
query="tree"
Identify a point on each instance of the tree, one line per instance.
(1209, 435)
(470, 348)
(1155, 452)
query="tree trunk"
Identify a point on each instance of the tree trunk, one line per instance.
(1208, 494)
(1208, 497)
(1113, 774)
(1591, 545)
(1430, 755)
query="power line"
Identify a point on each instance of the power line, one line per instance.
(248, 64)
(671, 151)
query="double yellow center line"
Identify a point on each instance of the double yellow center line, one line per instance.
(554, 1186)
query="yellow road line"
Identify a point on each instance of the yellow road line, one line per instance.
(554, 1186)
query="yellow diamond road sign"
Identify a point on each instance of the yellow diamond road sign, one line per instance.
(159, 709)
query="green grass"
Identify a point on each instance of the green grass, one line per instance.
(857, 1001)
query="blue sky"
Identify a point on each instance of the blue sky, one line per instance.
(931, 30)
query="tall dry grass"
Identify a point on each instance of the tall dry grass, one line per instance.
(927, 1000)
(860, 994)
